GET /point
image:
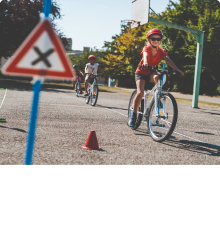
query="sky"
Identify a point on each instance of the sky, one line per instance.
(90, 23)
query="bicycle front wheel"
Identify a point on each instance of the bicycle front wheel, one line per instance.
(77, 89)
(89, 95)
(94, 95)
(161, 122)
(140, 110)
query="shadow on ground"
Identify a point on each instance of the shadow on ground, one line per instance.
(110, 107)
(193, 146)
(188, 145)
(15, 129)
(205, 133)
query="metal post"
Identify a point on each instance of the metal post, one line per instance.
(35, 104)
(198, 65)
(33, 123)
(47, 8)
(196, 86)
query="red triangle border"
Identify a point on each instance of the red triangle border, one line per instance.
(45, 25)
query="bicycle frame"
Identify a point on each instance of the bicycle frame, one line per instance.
(77, 81)
(92, 88)
(157, 89)
(161, 112)
(93, 76)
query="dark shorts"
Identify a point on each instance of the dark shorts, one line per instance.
(142, 76)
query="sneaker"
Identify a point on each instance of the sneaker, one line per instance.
(86, 94)
(132, 122)
(81, 92)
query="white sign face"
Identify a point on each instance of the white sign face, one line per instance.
(42, 46)
(140, 11)
(41, 54)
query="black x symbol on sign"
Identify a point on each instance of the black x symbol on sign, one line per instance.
(43, 57)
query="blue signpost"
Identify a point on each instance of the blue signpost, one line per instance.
(35, 104)
(47, 7)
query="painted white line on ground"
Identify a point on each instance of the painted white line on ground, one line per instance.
(3, 99)
(146, 123)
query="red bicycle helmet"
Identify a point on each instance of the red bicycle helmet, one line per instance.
(91, 56)
(155, 31)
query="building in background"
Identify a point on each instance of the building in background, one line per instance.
(72, 52)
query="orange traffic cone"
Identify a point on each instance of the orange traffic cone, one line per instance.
(92, 142)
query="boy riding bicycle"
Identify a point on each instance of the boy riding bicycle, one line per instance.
(152, 56)
(78, 74)
(91, 68)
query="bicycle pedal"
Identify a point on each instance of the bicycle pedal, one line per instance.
(161, 116)
(159, 125)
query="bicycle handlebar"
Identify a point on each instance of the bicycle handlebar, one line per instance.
(166, 71)
(92, 74)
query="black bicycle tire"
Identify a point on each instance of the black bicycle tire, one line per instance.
(96, 98)
(77, 89)
(173, 125)
(88, 97)
(141, 109)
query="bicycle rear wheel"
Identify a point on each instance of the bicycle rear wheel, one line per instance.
(77, 89)
(161, 124)
(140, 110)
(94, 95)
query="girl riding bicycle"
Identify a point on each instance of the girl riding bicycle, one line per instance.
(91, 68)
(78, 74)
(152, 56)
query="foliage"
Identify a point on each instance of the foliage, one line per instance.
(17, 19)
(203, 15)
(123, 52)
(82, 60)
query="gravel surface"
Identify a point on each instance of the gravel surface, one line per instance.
(65, 122)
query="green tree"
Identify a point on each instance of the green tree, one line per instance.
(123, 53)
(82, 60)
(203, 15)
(18, 18)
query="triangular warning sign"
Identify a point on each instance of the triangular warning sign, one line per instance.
(41, 54)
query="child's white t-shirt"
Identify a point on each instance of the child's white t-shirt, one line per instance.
(91, 69)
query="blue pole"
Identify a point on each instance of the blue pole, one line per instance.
(33, 122)
(35, 104)
(47, 8)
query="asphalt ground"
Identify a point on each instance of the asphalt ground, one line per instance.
(65, 122)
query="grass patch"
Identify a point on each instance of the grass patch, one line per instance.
(201, 103)
(22, 84)
(115, 89)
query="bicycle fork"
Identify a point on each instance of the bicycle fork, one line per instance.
(157, 109)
